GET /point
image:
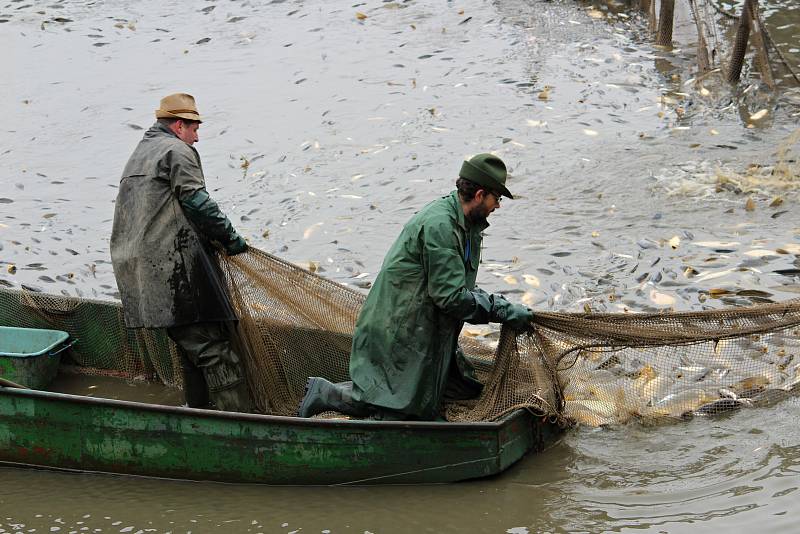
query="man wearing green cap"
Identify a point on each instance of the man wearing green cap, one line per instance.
(164, 224)
(405, 358)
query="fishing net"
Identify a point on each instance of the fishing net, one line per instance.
(104, 346)
(298, 324)
(595, 369)
(730, 38)
(612, 368)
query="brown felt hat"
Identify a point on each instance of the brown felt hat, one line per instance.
(178, 106)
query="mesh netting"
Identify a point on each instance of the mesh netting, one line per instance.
(615, 367)
(591, 368)
(594, 369)
(298, 324)
(104, 346)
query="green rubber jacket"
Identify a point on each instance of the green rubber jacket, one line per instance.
(405, 351)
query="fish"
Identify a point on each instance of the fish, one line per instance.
(718, 406)
(591, 412)
(791, 384)
(654, 389)
(646, 375)
(693, 373)
(749, 386)
(688, 400)
(610, 393)
(576, 390)
(769, 397)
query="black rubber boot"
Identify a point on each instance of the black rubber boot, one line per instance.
(312, 402)
(235, 398)
(195, 389)
(208, 350)
(323, 396)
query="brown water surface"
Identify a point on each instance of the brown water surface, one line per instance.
(324, 132)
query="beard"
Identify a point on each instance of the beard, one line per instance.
(478, 214)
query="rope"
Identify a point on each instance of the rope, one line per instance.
(770, 42)
(423, 470)
(702, 48)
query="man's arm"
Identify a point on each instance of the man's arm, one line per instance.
(444, 268)
(206, 216)
(187, 182)
(517, 316)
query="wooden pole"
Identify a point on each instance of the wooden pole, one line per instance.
(651, 15)
(759, 43)
(740, 43)
(703, 63)
(665, 21)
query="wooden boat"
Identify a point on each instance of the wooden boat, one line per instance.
(58, 430)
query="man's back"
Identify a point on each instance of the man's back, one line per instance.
(164, 274)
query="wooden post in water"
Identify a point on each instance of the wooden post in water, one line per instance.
(740, 42)
(651, 15)
(703, 62)
(665, 16)
(759, 43)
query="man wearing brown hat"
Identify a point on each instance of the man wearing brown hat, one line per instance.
(161, 247)
(405, 358)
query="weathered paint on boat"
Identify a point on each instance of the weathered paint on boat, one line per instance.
(61, 431)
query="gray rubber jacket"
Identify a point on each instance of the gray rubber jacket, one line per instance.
(165, 272)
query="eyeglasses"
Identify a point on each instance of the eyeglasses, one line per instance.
(497, 197)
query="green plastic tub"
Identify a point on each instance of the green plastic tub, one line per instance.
(30, 356)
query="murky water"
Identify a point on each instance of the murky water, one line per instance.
(325, 132)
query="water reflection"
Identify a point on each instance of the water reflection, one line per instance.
(734, 472)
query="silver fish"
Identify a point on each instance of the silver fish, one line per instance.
(694, 373)
(718, 406)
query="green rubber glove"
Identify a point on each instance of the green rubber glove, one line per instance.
(519, 317)
(237, 246)
(516, 316)
(209, 220)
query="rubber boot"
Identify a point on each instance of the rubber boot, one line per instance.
(208, 348)
(235, 398)
(323, 396)
(195, 389)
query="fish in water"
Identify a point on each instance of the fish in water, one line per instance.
(654, 389)
(694, 373)
(679, 403)
(769, 397)
(592, 413)
(718, 406)
(750, 386)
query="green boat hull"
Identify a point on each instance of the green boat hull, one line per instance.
(64, 431)
(60, 431)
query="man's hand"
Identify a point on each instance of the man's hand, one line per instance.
(211, 223)
(519, 317)
(236, 246)
(516, 316)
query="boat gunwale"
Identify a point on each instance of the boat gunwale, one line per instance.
(263, 418)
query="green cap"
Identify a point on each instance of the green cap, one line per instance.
(487, 170)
